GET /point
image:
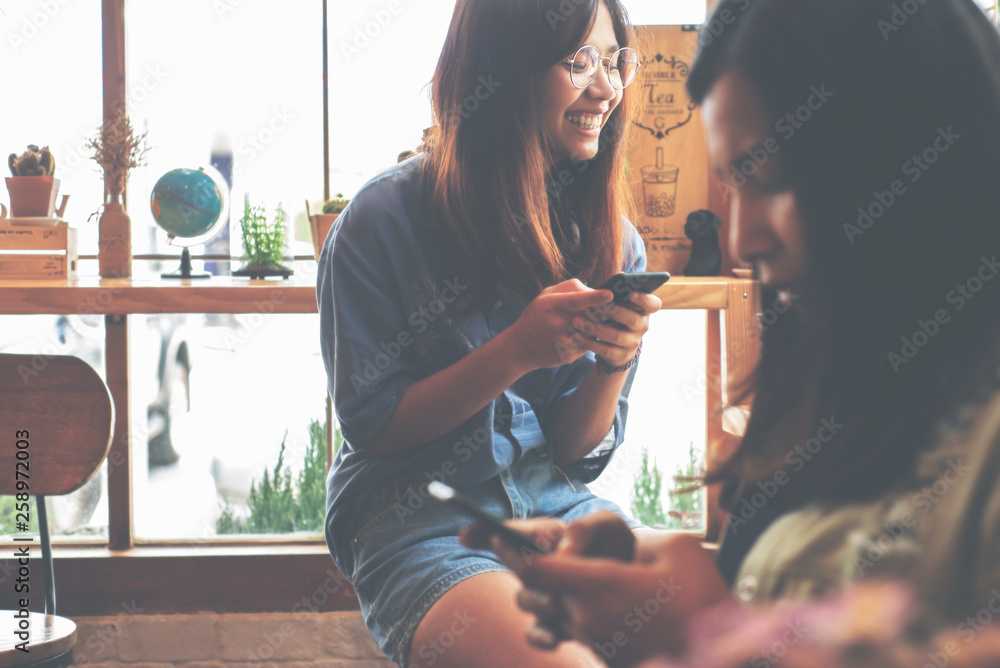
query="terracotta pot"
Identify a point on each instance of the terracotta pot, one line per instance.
(319, 226)
(34, 196)
(115, 242)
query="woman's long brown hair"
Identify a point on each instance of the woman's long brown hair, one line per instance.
(895, 172)
(488, 164)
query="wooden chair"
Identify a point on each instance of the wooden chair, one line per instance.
(56, 420)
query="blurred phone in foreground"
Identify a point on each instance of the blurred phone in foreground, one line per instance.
(451, 496)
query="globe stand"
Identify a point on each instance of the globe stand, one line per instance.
(191, 206)
(185, 269)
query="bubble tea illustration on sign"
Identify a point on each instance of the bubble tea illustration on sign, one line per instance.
(659, 187)
(670, 155)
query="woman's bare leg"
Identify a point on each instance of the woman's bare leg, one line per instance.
(477, 624)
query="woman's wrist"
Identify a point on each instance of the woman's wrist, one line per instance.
(608, 368)
(510, 352)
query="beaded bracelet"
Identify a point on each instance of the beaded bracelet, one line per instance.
(602, 365)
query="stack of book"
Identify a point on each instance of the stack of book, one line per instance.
(37, 248)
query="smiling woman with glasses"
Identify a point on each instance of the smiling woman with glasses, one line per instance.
(622, 66)
(461, 341)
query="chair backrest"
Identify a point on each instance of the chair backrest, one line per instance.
(56, 409)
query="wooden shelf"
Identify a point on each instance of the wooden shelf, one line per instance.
(123, 296)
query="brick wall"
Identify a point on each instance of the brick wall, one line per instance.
(308, 640)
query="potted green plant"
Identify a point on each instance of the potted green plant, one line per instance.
(264, 242)
(33, 188)
(320, 223)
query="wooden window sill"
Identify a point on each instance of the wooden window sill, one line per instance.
(173, 580)
(185, 580)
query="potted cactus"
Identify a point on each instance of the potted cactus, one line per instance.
(320, 223)
(32, 187)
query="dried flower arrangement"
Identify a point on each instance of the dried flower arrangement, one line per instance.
(118, 150)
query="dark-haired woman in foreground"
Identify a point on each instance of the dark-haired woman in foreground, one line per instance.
(452, 294)
(861, 147)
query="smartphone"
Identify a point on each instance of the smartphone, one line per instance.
(624, 284)
(451, 496)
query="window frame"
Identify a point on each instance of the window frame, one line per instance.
(99, 579)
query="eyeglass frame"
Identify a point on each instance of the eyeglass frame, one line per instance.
(606, 66)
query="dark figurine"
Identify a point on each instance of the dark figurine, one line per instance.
(706, 257)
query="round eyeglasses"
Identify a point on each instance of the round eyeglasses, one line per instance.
(621, 66)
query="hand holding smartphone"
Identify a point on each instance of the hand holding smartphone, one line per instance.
(451, 496)
(624, 284)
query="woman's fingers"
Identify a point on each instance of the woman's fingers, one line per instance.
(608, 335)
(476, 536)
(538, 603)
(628, 319)
(546, 531)
(545, 638)
(567, 573)
(574, 302)
(601, 534)
(646, 303)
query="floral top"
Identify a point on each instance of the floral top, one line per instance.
(911, 579)
(940, 530)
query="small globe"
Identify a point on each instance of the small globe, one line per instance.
(190, 205)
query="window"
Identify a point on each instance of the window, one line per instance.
(247, 100)
(666, 422)
(365, 42)
(237, 86)
(667, 415)
(242, 390)
(245, 91)
(51, 61)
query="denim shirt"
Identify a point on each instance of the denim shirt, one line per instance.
(386, 284)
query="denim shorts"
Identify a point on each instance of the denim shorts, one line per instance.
(406, 550)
